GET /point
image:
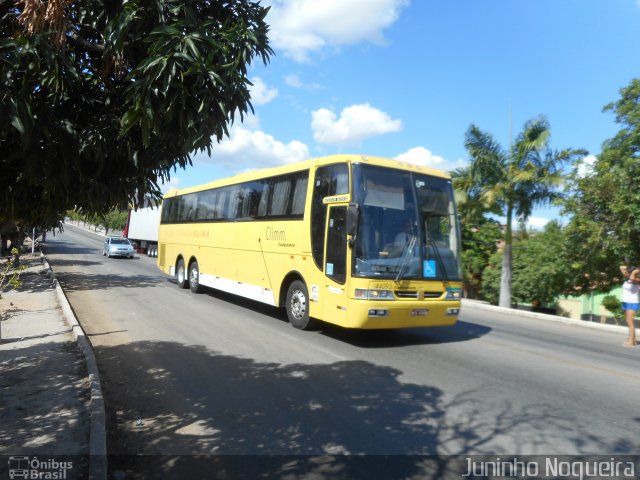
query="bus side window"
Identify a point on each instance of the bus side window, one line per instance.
(280, 198)
(264, 199)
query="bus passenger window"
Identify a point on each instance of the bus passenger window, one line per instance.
(280, 199)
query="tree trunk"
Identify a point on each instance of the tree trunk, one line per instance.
(507, 263)
(505, 278)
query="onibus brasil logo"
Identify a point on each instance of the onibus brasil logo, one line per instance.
(35, 469)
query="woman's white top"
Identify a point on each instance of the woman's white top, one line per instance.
(630, 292)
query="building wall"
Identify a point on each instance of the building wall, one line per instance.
(588, 304)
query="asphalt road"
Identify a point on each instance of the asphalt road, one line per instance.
(231, 380)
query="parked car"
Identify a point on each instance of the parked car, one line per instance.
(117, 247)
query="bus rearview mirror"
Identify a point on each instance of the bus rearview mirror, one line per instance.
(352, 219)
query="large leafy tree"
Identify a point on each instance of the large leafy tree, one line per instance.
(479, 244)
(604, 230)
(514, 181)
(541, 268)
(100, 100)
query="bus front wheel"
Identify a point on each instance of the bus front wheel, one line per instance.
(194, 277)
(298, 306)
(181, 275)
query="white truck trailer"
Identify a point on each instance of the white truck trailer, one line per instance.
(142, 230)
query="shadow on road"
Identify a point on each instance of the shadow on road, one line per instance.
(73, 281)
(460, 332)
(177, 410)
(73, 263)
(60, 247)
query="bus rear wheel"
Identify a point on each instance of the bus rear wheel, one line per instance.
(181, 274)
(298, 306)
(194, 277)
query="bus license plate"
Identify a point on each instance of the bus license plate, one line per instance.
(419, 312)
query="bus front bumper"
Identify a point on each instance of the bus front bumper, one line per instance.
(387, 315)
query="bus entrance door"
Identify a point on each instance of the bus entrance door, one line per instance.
(335, 267)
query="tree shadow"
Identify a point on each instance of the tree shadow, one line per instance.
(34, 337)
(74, 263)
(176, 411)
(33, 275)
(44, 402)
(77, 281)
(33, 281)
(65, 248)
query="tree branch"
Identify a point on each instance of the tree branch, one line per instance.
(78, 40)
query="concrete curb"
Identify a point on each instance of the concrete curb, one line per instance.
(543, 316)
(97, 429)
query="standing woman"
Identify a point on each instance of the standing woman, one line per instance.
(630, 300)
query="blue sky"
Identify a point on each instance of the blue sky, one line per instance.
(406, 78)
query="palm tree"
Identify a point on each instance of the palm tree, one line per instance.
(512, 182)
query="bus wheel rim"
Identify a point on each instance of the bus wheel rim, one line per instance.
(298, 304)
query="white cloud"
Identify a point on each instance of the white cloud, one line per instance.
(356, 123)
(425, 158)
(250, 149)
(294, 81)
(301, 27)
(585, 166)
(537, 223)
(261, 93)
(173, 183)
(421, 156)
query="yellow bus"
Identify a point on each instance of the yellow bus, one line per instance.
(356, 241)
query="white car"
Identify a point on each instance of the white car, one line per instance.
(117, 247)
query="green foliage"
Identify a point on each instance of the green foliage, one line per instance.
(605, 203)
(479, 243)
(113, 220)
(100, 104)
(613, 305)
(490, 291)
(74, 215)
(540, 269)
(10, 273)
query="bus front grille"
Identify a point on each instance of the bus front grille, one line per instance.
(416, 294)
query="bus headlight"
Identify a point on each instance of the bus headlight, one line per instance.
(453, 294)
(364, 294)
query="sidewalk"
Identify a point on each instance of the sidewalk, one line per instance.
(48, 401)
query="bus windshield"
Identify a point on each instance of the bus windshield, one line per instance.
(407, 226)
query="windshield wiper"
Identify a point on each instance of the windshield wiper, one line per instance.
(405, 257)
(436, 252)
(438, 257)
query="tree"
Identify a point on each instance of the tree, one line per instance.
(541, 270)
(479, 243)
(101, 100)
(514, 181)
(604, 230)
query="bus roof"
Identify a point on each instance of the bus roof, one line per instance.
(307, 164)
